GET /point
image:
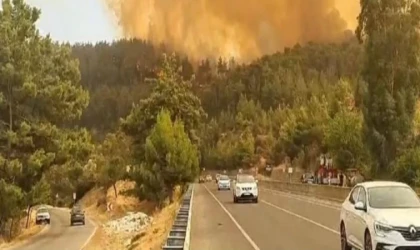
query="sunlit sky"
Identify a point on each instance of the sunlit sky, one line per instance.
(75, 20)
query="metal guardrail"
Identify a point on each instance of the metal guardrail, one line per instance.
(179, 236)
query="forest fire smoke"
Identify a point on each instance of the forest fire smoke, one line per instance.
(244, 29)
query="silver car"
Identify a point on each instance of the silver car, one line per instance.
(42, 216)
(223, 183)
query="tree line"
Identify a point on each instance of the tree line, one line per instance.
(72, 117)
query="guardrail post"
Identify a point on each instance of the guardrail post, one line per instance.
(179, 236)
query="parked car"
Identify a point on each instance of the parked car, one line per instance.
(380, 215)
(308, 178)
(77, 215)
(223, 183)
(42, 216)
(245, 188)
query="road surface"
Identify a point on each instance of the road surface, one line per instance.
(60, 235)
(278, 222)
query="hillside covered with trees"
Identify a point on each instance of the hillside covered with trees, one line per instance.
(72, 117)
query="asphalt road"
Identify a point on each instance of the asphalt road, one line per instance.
(278, 222)
(60, 235)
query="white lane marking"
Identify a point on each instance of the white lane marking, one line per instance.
(247, 237)
(300, 217)
(91, 235)
(27, 242)
(275, 192)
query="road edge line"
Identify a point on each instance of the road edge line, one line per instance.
(44, 230)
(296, 197)
(91, 235)
(95, 225)
(188, 229)
(247, 237)
(300, 217)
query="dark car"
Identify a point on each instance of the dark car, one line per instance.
(202, 179)
(77, 215)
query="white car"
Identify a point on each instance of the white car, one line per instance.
(42, 216)
(245, 188)
(380, 215)
(223, 182)
(209, 178)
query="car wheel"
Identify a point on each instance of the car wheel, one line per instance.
(343, 237)
(235, 200)
(368, 241)
(218, 189)
(256, 200)
(83, 222)
(48, 222)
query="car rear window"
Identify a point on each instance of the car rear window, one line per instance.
(43, 210)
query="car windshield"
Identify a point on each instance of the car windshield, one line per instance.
(393, 197)
(246, 179)
(224, 178)
(77, 209)
(42, 210)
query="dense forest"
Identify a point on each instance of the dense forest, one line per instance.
(72, 117)
(277, 106)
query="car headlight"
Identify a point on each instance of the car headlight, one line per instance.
(381, 228)
(254, 188)
(238, 189)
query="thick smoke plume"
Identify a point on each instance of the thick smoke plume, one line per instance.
(244, 29)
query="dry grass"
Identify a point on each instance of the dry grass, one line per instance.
(155, 235)
(23, 234)
(152, 238)
(95, 204)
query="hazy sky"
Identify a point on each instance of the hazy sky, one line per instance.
(75, 20)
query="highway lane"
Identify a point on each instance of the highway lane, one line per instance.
(277, 222)
(60, 235)
(326, 215)
(211, 226)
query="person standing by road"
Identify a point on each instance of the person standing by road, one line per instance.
(329, 177)
(322, 161)
(341, 178)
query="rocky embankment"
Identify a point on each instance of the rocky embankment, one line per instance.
(128, 226)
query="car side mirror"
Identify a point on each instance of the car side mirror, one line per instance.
(360, 206)
(256, 181)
